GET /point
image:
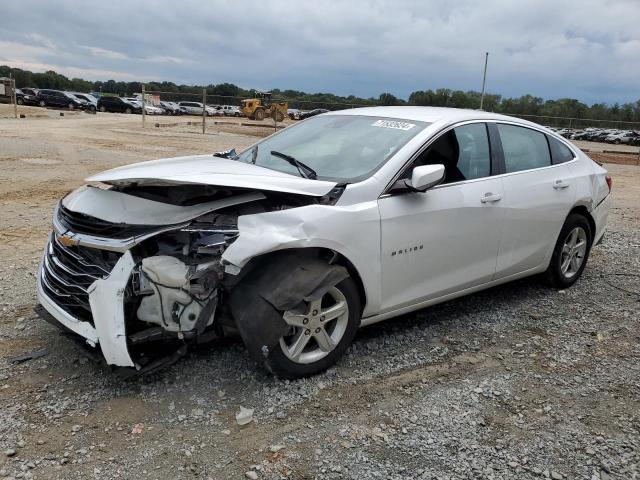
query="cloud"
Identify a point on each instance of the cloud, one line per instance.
(103, 52)
(586, 49)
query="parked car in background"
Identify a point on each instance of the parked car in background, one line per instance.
(312, 113)
(230, 111)
(154, 110)
(59, 99)
(171, 108)
(24, 98)
(195, 108)
(294, 113)
(92, 102)
(622, 137)
(337, 222)
(109, 103)
(30, 91)
(149, 109)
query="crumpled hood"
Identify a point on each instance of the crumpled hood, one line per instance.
(210, 170)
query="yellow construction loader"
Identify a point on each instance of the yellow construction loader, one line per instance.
(261, 107)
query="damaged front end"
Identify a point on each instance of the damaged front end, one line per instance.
(137, 271)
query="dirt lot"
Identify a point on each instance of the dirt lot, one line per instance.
(516, 382)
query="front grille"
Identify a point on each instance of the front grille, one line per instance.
(86, 224)
(67, 273)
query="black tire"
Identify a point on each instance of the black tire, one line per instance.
(617, 141)
(128, 111)
(20, 101)
(277, 116)
(554, 275)
(42, 103)
(279, 364)
(71, 106)
(103, 109)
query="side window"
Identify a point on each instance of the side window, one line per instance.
(523, 148)
(560, 153)
(464, 152)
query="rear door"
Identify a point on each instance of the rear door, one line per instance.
(538, 197)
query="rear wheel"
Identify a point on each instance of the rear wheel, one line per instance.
(319, 333)
(128, 111)
(42, 103)
(71, 106)
(258, 114)
(20, 101)
(570, 253)
(103, 109)
(277, 116)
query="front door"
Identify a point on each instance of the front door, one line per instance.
(446, 239)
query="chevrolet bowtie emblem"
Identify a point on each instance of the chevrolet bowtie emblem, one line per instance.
(66, 241)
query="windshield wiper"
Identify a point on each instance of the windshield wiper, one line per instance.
(304, 170)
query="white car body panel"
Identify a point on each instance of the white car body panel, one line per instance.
(106, 297)
(118, 207)
(426, 248)
(535, 212)
(453, 241)
(210, 170)
(352, 231)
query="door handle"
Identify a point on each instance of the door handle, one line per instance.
(560, 184)
(491, 197)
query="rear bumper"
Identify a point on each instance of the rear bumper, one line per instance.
(107, 308)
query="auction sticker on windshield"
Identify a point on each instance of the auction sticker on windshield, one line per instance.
(393, 124)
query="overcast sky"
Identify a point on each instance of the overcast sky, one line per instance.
(586, 49)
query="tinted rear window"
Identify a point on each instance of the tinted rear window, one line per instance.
(560, 153)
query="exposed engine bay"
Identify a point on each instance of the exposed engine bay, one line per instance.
(174, 284)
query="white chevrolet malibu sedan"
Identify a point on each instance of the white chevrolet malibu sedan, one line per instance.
(339, 221)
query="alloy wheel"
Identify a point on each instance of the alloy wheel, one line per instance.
(316, 330)
(574, 251)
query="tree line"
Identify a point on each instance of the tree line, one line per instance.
(441, 97)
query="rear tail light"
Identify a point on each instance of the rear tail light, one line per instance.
(609, 182)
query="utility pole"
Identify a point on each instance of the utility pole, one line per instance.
(15, 98)
(484, 78)
(204, 109)
(144, 113)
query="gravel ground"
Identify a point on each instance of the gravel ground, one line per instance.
(519, 381)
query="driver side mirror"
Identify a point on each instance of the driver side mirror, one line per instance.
(422, 179)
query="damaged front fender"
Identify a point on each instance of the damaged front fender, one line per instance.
(337, 228)
(278, 283)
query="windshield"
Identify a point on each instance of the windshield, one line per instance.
(340, 148)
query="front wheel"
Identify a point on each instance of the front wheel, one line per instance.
(570, 253)
(319, 333)
(71, 106)
(258, 114)
(128, 111)
(42, 103)
(20, 101)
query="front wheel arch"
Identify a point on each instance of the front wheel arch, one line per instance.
(324, 252)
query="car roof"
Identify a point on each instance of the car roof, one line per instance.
(430, 114)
